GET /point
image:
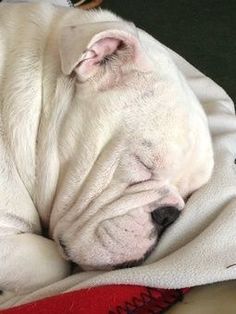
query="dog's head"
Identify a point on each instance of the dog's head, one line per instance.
(123, 151)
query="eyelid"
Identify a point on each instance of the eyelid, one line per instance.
(143, 163)
(141, 173)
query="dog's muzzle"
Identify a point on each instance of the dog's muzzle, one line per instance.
(129, 241)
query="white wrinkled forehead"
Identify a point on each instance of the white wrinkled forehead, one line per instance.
(139, 103)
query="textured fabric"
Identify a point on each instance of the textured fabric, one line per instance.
(105, 300)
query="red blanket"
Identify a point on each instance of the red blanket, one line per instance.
(114, 299)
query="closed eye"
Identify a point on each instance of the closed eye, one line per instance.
(143, 163)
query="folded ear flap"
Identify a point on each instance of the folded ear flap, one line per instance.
(87, 48)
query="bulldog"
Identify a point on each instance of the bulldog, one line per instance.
(101, 142)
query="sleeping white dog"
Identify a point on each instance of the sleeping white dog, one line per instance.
(100, 143)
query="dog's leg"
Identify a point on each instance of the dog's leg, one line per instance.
(29, 262)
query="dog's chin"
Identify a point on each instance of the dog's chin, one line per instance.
(122, 265)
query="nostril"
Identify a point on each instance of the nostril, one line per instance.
(164, 216)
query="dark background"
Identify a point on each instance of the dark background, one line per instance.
(201, 31)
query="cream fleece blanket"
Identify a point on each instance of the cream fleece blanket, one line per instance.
(200, 247)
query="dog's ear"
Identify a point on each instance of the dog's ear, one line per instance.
(87, 49)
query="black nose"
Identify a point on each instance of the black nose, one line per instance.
(164, 216)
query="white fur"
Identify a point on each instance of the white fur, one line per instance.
(70, 149)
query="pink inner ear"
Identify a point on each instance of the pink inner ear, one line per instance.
(105, 47)
(96, 53)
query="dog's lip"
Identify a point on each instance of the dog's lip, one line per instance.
(126, 264)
